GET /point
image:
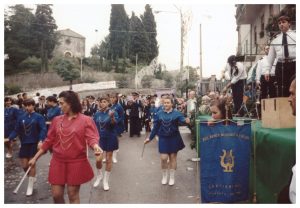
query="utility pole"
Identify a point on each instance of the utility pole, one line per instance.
(136, 81)
(81, 68)
(200, 53)
(181, 40)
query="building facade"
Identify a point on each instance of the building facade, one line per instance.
(71, 44)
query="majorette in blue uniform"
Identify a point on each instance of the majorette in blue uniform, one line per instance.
(31, 129)
(10, 118)
(107, 130)
(52, 112)
(166, 127)
(120, 121)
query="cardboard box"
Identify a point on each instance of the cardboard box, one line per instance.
(277, 113)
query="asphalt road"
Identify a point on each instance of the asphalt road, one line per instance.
(133, 180)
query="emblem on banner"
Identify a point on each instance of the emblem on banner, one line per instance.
(227, 161)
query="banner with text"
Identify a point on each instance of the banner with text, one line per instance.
(225, 159)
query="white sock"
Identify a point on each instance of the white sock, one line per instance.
(164, 176)
(105, 181)
(172, 177)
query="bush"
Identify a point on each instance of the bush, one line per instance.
(122, 81)
(147, 81)
(32, 63)
(12, 89)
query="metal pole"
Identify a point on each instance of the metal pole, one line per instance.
(136, 58)
(181, 41)
(200, 54)
(81, 68)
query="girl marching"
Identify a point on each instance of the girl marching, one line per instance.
(166, 124)
(31, 129)
(106, 121)
(10, 119)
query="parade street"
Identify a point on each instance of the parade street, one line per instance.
(134, 179)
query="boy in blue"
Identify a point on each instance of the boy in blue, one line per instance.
(31, 129)
(116, 107)
(106, 120)
(10, 119)
(170, 142)
(53, 110)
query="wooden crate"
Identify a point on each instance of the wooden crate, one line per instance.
(277, 113)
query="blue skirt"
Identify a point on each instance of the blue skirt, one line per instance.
(109, 144)
(172, 144)
(28, 150)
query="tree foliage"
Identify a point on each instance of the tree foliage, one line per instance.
(139, 41)
(44, 28)
(149, 24)
(18, 36)
(66, 69)
(28, 35)
(119, 25)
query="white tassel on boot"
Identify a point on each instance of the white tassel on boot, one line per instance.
(105, 181)
(172, 177)
(114, 156)
(99, 178)
(31, 181)
(164, 179)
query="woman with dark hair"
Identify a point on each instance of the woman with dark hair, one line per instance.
(68, 136)
(166, 124)
(31, 129)
(10, 119)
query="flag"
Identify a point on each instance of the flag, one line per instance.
(225, 159)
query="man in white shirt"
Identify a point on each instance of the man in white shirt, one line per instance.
(265, 78)
(283, 47)
(191, 104)
(238, 76)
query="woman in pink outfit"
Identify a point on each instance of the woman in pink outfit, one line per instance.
(68, 136)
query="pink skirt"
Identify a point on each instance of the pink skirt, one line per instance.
(71, 173)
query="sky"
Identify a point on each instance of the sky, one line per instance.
(219, 36)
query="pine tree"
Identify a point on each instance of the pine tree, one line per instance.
(119, 24)
(44, 29)
(150, 28)
(139, 42)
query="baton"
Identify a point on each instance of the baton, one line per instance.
(19, 185)
(143, 150)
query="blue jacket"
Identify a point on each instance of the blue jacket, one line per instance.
(31, 128)
(166, 123)
(52, 112)
(11, 115)
(104, 124)
(120, 120)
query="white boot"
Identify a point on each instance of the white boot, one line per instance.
(105, 181)
(31, 181)
(164, 176)
(99, 178)
(172, 177)
(114, 156)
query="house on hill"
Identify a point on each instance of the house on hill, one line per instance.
(71, 44)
